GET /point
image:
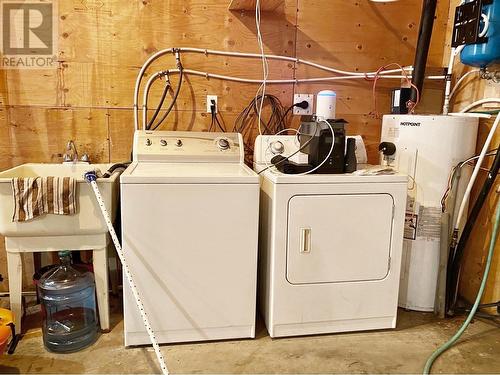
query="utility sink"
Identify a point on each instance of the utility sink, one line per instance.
(88, 219)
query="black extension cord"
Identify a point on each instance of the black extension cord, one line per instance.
(245, 122)
(215, 118)
(303, 104)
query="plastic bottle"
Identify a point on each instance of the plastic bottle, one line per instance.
(68, 307)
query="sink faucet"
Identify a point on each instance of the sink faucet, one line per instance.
(71, 157)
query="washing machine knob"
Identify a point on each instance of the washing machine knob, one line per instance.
(148, 142)
(163, 142)
(223, 144)
(277, 147)
(178, 143)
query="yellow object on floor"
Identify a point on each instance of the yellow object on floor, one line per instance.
(6, 321)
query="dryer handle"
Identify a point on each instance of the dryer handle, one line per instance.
(305, 240)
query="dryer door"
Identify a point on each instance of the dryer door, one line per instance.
(339, 238)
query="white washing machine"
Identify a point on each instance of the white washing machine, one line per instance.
(190, 211)
(330, 247)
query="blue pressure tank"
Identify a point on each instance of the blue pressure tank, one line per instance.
(484, 54)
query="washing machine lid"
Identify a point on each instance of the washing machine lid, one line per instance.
(184, 173)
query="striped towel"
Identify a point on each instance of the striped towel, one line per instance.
(35, 196)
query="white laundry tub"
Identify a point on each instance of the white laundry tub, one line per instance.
(88, 219)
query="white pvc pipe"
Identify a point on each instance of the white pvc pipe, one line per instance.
(282, 58)
(274, 81)
(207, 52)
(284, 81)
(449, 73)
(463, 204)
(480, 102)
(256, 81)
(447, 89)
(459, 82)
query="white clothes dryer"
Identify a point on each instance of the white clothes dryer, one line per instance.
(329, 247)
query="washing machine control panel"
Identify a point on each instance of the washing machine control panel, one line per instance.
(269, 146)
(188, 146)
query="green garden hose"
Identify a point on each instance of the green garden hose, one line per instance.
(459, 333)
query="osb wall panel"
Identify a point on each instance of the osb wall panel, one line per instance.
(102, 45)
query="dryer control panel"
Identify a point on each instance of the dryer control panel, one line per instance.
(268, 146)
(172, 146)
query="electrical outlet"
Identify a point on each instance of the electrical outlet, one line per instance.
(297, 98)
(209, 103)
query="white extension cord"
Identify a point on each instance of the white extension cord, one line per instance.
(91, 178)
(265, 67)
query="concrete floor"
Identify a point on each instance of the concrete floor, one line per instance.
(403, 350)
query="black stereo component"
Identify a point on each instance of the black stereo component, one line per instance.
(351, 163)
(286, 166)
(399, 98)
(316, 141)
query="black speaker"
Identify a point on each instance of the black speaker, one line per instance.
(316, 141)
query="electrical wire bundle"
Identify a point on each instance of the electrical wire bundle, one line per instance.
(454, 175)
(245, 121)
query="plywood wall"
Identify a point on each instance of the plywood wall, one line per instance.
(102, 45)
(476, 250)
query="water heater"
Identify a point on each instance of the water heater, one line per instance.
(427, 148)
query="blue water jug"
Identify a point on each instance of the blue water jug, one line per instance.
(484, 54)
(68, 307)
